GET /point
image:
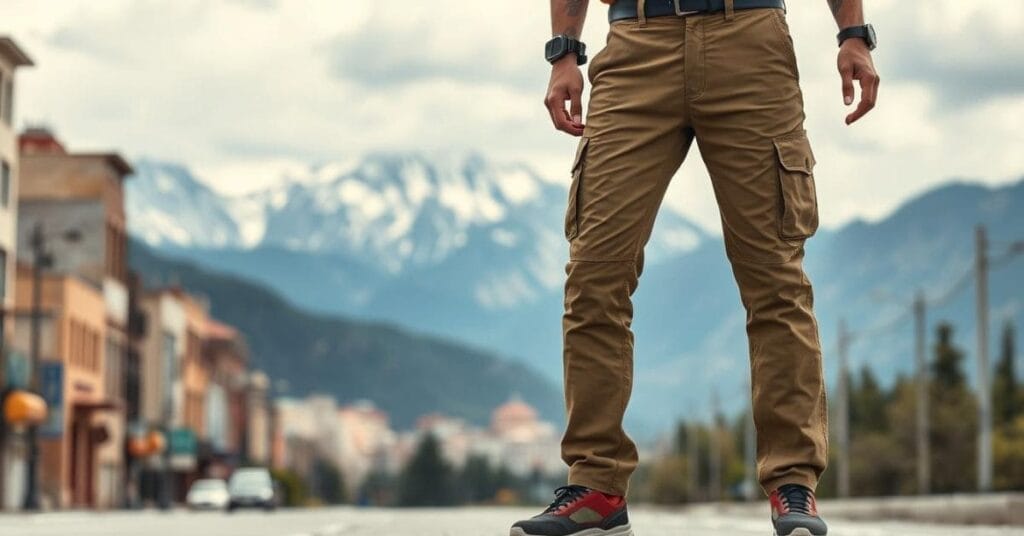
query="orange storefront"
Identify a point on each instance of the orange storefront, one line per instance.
(77, 449)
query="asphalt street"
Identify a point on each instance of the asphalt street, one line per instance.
(428, 522)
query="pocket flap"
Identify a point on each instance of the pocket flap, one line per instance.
(795, 153)
(580, 151)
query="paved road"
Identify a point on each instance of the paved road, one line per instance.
(455, 522)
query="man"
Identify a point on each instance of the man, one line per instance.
(723, 73)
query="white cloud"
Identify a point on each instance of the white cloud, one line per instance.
(246, 90)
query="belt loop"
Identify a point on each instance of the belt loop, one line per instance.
(730, 9)
(641, 12)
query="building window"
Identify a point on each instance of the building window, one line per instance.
(3, 97)
(170, 375)
(7, 102)
(113, 365)
(5, 183)
(3, 275)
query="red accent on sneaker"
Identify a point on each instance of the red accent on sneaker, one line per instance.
(601, 503)
(779, 507)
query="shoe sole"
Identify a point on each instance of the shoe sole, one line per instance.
(798, 532)
(624, 530)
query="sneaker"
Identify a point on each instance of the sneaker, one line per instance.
(577, 510)
(795, 512)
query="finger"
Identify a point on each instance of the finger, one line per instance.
(551, 114)
(570, 126)
(576, 107)
(873, 88)
(846, 72)
(556, 107)
(868, 91)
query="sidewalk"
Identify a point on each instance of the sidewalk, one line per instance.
(974, 509)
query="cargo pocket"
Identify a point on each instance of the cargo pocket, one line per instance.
(798, 198)
(572, 213)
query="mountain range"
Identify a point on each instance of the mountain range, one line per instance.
(405, 374)
(473, 251)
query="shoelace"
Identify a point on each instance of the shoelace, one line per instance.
(797, 498)
(565, 495)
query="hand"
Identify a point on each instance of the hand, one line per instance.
(855, 64)
(566, 85)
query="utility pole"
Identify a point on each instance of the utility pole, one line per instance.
(843, 413)
(692, 461)
(984, 394)
(922, 429)
(39, 258)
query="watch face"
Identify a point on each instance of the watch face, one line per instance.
(555, 48)
(872, 39)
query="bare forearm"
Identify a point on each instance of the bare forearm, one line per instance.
(847, 12)
(567, 17)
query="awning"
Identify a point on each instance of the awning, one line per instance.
(101, 405)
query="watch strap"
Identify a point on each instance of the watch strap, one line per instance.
(565, 45)
(865, 32)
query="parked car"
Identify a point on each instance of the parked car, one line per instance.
(251, 487)
(208, 494)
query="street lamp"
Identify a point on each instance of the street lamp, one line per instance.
(40, 260)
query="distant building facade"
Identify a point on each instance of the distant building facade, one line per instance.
(13, 449)
(80, 459)
(361, 442)
(227, 357)
(73, 205)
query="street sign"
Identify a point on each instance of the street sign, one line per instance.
(183, 449)
(51, 387)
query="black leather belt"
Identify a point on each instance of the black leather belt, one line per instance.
(626, 9)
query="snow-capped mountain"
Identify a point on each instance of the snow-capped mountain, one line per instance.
(392, 214)
(166, 205)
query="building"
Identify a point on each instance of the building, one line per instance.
(308, 425)
(71, 215)
(226, 356)
(259, 419)
(364, 440)
(522, 442)
(174, 378)
(13, 373)
(196, 390)
(80, 456)
(188, 437)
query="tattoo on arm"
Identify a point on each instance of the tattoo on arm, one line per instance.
(567, 16)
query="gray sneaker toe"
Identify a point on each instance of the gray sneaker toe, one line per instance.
(795, 524)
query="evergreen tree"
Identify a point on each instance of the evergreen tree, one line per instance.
(1006, 397)
(867, 404)
(477, 480)
(953, 417)
(427, 480)
(378, 489)
(330, 485)
(947, 369)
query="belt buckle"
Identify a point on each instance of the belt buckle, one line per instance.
(680, 12)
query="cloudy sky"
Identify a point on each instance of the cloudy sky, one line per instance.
(244, 90)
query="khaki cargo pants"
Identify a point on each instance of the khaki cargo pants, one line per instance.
(731, 83)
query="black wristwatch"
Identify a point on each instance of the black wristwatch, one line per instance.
(561, 45)
(866, 32)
